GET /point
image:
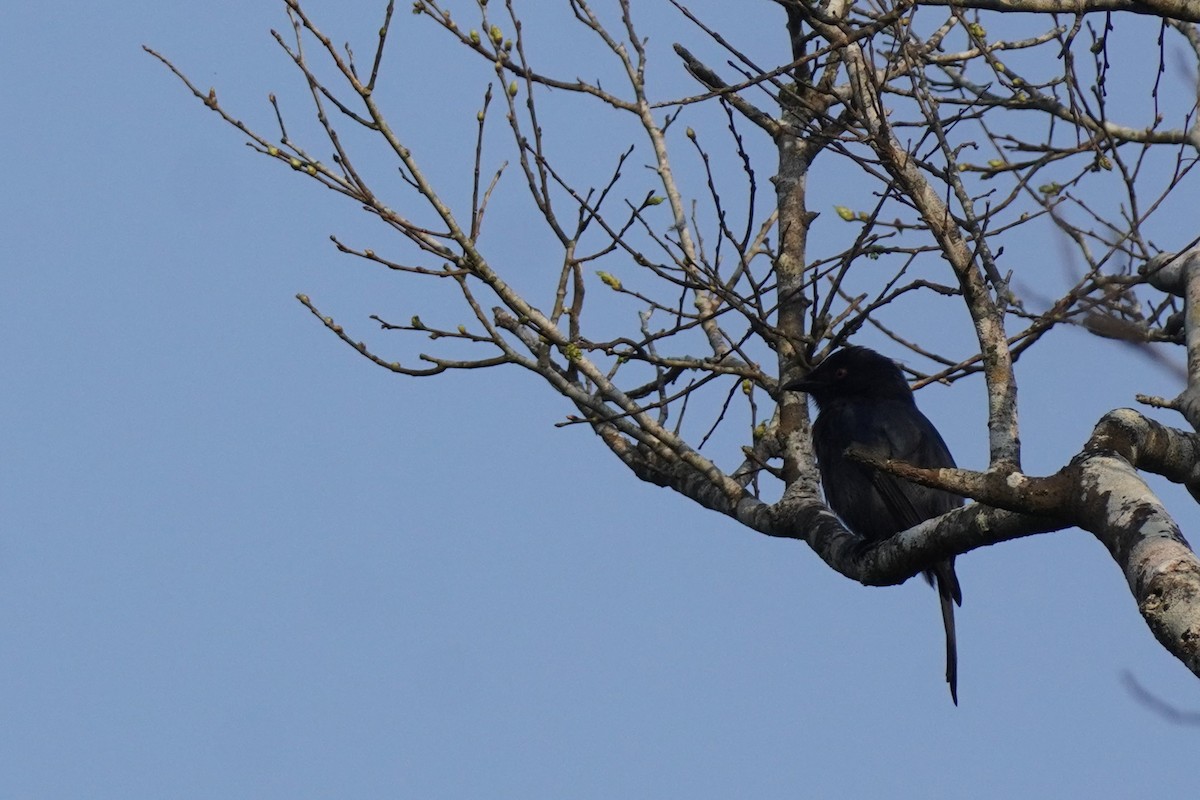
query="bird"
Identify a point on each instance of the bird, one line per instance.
(863, 401)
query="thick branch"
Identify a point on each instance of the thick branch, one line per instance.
(1185, 10)
(1117, 506)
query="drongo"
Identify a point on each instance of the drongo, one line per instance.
(863, 401)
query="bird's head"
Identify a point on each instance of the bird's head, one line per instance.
(853, 372)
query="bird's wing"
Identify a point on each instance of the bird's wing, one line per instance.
(912, 438)
(905, 434)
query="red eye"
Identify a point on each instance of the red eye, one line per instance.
(840, 373)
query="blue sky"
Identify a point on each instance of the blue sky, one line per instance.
(237, 560)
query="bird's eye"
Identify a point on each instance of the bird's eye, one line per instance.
(840, 373)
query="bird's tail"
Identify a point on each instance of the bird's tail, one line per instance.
(949, 592)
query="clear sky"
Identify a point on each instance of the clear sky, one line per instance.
(239, 561)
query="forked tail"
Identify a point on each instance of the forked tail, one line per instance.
(949, 592)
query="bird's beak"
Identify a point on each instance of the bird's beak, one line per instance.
(802, 385)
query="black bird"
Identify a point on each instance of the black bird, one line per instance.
(864, 401)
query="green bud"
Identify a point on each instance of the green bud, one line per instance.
(609, 280)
